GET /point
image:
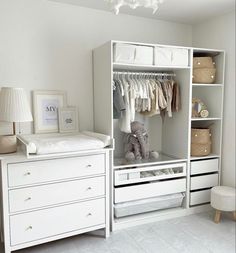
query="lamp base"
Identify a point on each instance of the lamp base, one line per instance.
(8, 144)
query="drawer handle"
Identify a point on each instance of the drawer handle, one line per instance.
(89, 165)
(89, 214)
(89, 188)
(29, 228)
(27, 173)
(29, 198)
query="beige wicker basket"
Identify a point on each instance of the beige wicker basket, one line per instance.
(200, 135)
(200, 149)
(203, 62)
(204, 75)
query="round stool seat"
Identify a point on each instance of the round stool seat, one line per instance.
(223, 198)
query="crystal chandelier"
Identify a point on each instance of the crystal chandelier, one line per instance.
(133, 4)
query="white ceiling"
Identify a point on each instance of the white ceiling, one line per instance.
(182, 11)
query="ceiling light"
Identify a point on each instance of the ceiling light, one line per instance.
(133, 4)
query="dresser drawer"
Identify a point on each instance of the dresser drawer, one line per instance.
(37, 225)
(33, 172)
(205, 166)
(149, 190)
(201, 182)
(200, 197)
(45, 195)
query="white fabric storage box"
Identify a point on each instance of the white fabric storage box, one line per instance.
(148, 205)
(180, 57)
(167, 56)
(163, 56)
(124, 53)
(143, 55)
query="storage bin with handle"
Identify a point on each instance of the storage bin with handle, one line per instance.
(200, 141)
(204, 75)
(203, 62)
(200, 135)
(200, 149)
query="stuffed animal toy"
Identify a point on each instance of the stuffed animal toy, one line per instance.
(136, 143)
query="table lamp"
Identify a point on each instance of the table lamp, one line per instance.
(14, 107)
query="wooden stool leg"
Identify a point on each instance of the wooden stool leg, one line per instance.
(217, 216)
(234, 215)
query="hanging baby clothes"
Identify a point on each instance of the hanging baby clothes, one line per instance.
(145, 94)
(124, 121)
(118, 101)
(176, 101)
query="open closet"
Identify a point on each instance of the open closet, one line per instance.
(175, 183)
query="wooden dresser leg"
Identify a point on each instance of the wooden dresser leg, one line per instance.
(234, 215)
(217, 216)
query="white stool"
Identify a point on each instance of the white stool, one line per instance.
(223, 199)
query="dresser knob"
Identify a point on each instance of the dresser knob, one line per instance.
(89, 188)
(89, 214)
(89, 165)
(29, 228)
(27, 173)
(29, 198)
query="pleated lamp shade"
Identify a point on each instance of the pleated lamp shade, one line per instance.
(14, 106)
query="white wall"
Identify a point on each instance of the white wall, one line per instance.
(220, 33)
(48, 45)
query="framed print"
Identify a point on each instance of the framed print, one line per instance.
(46, 104)
(68, 119)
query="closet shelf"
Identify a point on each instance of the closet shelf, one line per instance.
(121, 163)
(194, 158)
(125, 66)
(207, 85)
(204, 119)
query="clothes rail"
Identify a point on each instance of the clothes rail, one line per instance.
(142, 73)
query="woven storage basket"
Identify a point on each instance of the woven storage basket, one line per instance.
(205, 75)
(203, 62)
(200, 135)
(200, 149)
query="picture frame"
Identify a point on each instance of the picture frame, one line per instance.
(45, 107)
(68, 119)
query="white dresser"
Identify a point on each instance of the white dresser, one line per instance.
(49, 198)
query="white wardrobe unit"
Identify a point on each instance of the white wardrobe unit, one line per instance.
(136, 199)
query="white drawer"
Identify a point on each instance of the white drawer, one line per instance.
(45, 195)
(149, 173)
(200, 197)
(206, 181)
(204, 166)
(58, 220)
(149, 190)
(58, 169)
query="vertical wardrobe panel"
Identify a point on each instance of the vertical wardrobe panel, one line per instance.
(102, 60)
(175, 129)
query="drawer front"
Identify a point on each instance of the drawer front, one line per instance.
(149, 190)
(149, 173)
(37, 225)
(200, 197)
(45, 195)
(201, 182)
(57, 169)
(200, 167)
